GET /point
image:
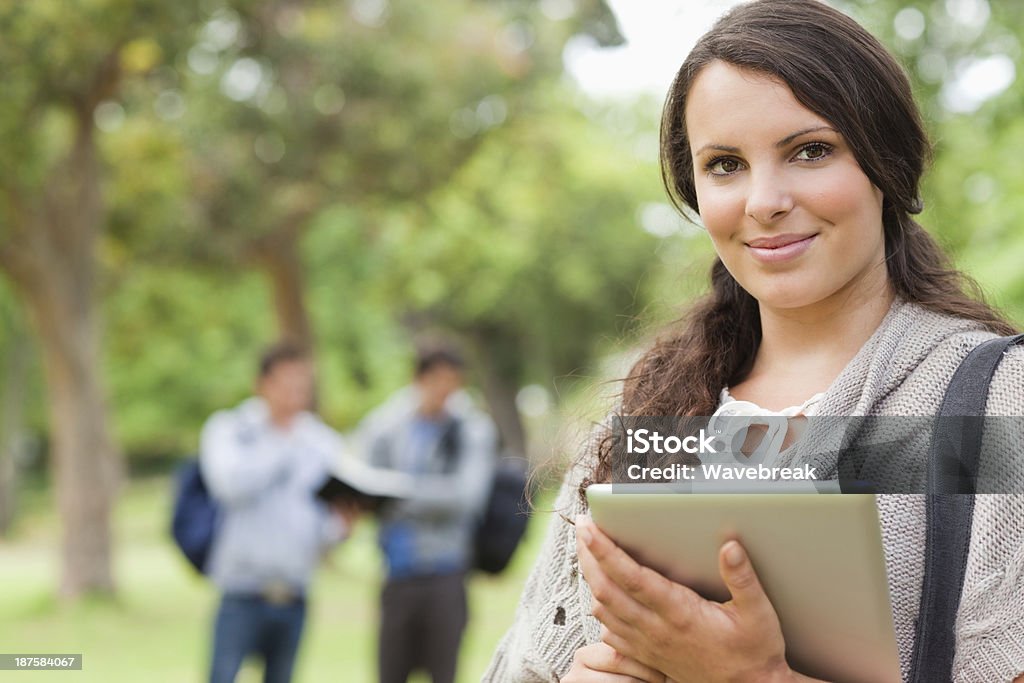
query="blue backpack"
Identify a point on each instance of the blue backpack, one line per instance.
(196, 515)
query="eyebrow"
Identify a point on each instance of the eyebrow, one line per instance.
(781, 143)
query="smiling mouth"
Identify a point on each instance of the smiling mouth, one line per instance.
(779, 241)
(780, 248)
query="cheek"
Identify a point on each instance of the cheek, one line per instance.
(298, 389)
(721, 210)
(852, 206)
(846, 194)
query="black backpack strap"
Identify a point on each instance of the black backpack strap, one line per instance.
(449, 445)
(952, 472)
(956, 435)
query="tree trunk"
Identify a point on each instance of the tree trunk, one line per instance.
(53, 265)
(83, 455)
(12, 421)
(495, 354)
(279, 258)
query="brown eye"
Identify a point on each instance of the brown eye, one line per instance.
(814, 152)
(723, 166)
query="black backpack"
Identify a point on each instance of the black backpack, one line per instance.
(506, 513)
(196, 515)
(505, 517)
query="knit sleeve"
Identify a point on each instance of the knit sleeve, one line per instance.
(553, 618)
(990, 622)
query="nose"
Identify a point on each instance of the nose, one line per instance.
(769, 198)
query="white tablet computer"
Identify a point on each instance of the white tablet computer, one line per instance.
(819, 558)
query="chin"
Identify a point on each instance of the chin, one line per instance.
(787, 298)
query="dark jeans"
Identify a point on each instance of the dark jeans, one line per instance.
(422, 620)
(250, 625)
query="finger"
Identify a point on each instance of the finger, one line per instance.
(599, 662)
(576, 675)
(606, 658)
(740, 578)
(620, 644)
(643, 584)
(627, 647)
(610, 622)
(611, 603)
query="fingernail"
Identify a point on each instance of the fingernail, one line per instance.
(734, 555)
(583, 530)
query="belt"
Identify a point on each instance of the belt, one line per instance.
(276, 593)
(280, 593)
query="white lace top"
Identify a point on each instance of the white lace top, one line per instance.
(727, 405)
(734, 418)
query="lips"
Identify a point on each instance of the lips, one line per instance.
(778, 241)
(780, 248)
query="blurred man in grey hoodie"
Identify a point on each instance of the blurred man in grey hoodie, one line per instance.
(263, 462)
(432, 431)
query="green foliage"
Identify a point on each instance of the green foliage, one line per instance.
(285, 108)
(14, 336)
(182, 345)
(537, 240)
(71, 56)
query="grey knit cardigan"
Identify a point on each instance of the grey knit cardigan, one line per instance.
(902, 370)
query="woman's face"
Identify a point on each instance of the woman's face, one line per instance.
(791, 214)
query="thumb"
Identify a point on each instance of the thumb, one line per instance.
(741, 580)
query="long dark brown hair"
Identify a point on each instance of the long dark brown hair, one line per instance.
(839, 71)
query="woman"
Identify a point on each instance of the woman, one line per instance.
(794, 135)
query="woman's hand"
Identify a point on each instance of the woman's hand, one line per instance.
(600, 663)
(670, 628)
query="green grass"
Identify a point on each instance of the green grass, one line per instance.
(158, 627)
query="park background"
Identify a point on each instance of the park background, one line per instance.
(183, 182)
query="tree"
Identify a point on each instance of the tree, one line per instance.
(61, 63)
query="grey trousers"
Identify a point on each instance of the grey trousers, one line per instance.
(421, 624)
